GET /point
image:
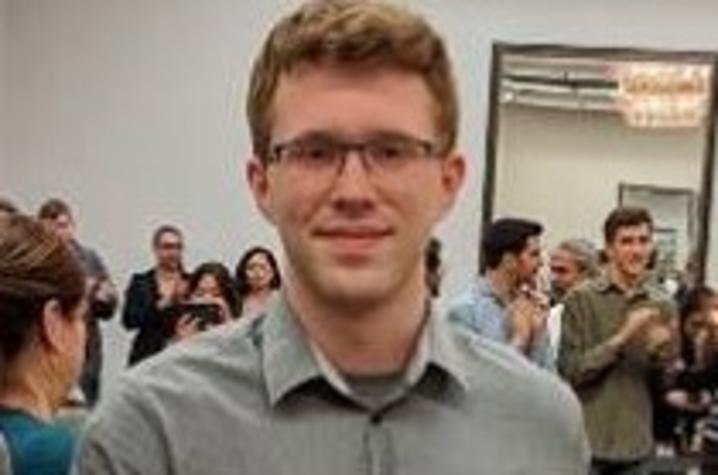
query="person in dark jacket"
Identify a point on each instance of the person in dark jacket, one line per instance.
(151, 293)
(57, 216)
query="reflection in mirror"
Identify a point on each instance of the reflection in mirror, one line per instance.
(575, 132)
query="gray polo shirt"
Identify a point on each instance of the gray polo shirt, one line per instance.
(258, 398)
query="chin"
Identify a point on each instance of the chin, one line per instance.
(357, 288)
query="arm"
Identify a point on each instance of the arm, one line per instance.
(139, 303)
(124, 437)
(542, 353)
(462, 313)
(582, 361)
(104, 294)
(480, 317)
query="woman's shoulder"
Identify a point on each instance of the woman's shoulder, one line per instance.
(35, 446)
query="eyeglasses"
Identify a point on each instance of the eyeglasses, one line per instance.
(559, 270)
(321, 154)
(170, 246)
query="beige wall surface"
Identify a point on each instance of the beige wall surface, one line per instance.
(564, 167)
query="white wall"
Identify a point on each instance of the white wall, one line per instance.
(126, 107)
(564, 167)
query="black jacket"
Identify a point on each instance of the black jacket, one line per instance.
(141, 313)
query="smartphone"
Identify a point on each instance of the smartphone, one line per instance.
(206, 314)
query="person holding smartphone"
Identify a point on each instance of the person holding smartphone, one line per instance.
(211, 301)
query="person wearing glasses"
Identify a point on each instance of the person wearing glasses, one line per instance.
(354, 118)
(151, 293)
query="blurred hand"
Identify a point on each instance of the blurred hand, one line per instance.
(540, 306)
(661, 343)
(186, 326)
(220, 302)
(171, 290)
(104, 291)
(522, 319)
(636, 321)
(691, 402)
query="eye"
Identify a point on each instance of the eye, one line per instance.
(317, 151)
(388, 150)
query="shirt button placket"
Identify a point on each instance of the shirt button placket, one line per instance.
(378, 448)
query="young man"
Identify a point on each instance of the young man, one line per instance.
(503, 304)
(353, 115)
(57, 215)
(600, 355)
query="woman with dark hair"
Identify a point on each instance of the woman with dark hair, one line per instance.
(257, 275)
(679, 409)
(154, 292)
(42, 343)
(212, 300)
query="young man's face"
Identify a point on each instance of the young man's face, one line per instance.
(528, 261)
(356, 235)
(63, 225)
(630, 250)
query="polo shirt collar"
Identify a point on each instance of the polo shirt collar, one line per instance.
(290, 359)
(604, 284)
(485, 288)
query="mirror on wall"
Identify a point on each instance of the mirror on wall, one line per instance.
(574, 132)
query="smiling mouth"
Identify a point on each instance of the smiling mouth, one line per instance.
(353, 239)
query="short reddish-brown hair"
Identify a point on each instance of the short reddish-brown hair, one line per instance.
(625, 216)
(352, 32)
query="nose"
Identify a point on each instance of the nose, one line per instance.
(353, 190)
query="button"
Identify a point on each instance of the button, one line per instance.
(376, 418)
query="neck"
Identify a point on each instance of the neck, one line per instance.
(502, 283)
(30, 396)
(260, 294)
(623, 280)
(167, 269)
(363, 339)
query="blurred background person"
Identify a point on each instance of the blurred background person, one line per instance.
(570, 264)
(212, 300)
(257, 275)
(504, 304)
(42, 343)
(56, 214)
(7, 206)
(151, 293)
(616, 334)
(678, 410)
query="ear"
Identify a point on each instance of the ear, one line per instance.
(509, 261)
(608, 252)
(258, 180)
(453, 173)
(52, 326)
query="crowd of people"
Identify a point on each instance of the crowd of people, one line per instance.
(342, 364)
(48, 281)
(640, 359)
